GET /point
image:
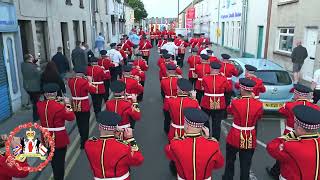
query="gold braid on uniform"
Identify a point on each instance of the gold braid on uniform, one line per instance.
(133, 144)
(291, 136)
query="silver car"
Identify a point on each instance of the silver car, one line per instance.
(276, 79)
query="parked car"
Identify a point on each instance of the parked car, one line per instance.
(276, 79)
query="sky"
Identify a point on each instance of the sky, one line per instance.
(164, 8)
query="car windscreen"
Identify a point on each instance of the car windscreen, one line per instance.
(272, 77)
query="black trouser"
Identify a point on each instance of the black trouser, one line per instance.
(275, 170)
(167, 121)
(146, 58)
(34, 98)
(115, 72)
(245, 157)
(132, 123)
(199, 95)
(193, 81)
(140, 96)
(97, 102)
(57, 163)
(180, 60)
(107, 87)
(316, 96)
(82, 119)
(217, 116)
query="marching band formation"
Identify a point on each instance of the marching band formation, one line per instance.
(193, 145)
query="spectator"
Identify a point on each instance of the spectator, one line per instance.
(51, 75)
(31, 82)
(61, 62)
(87, 50)
(299, 54)
(100, 43)
(79, 58)
(170, 47)
(116, 59)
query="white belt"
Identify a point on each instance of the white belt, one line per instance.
(282, 178)
(124, 126)
(257, 97)
(289, 128)
(200, 79)
(56, 129)
(229, 78)
(179, 178)
(80, 98)
(192, 69)
(125, 176)
(214, 95)
(97, 83)
(167, 97)
(243, 128)
(177, 126)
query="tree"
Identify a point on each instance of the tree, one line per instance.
(139, 10)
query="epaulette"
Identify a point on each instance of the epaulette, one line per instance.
(212, 139)
(122, 141)
(178, 138)
(93, 138)
(291, 136)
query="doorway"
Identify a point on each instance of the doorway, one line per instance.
(223, 30)
(76, 31)
(65, 39)
(260, 42)
(26, 37)
(310, 42)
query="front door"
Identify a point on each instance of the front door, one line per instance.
(10, 59)
(310, 42)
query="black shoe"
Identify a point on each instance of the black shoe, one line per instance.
(272, 174)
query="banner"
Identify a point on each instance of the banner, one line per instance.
(191, 13)
(189, 23)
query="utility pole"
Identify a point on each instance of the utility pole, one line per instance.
(243, 36)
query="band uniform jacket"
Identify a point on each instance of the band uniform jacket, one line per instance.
(138, 73)
(193, 60)
(161, 60)
(298, 156)
(80, 88)
(213, 59)
(53, 115)
(182, 45)
(193, 42)
(132, 85)
(165, 34)
(125, 109)
(195, 156)
(126, 48)
(144, 47)
(246, 111)
(142, 64)
(259, 87)
(163, 70)
(201, 70)
(129, 44)
(161, 42)
(215, 85)
(287, 111)
(111, 158)
(175, 106)
(169, 86)
(98, 76)
(106, 63)
(7, 172)
(229, 70)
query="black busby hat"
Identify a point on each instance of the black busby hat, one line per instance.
(171, 67)
(215, 65)
(185, 85)
(307, 117)
(103, 52)
(108, 120)
(250, 68)
(127, 68)
(117, 86)
(195, 117)
(225, 56)
(51, 87)
(204, 56)
(247, 84)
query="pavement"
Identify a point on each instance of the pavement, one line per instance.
(151, 139)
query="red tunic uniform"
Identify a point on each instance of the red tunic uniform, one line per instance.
(163, 70)
(126, 48)
(80, 89)
(53, 116)
(161, 43)
(193, 42)
(142, 64)
(259, 87)
(201, 70)
(98, 76)
(144, 47)
(152, 35)
(165, 34)
(125, 109)
(172, 34)
(213, 59)
(158, 34)
(201, 48)
(106, 63)
(132, 85)
(175, 106)
(169, 86)
(161, 61)
(182, 45)
(195, 156)
(139, 73)
(141, 32)
(129, 43)
(298, 156)
(111, 158)
(287, 111)
(246, 112)
(229, 70)
(214, 88)
(193, 60)
(7, 172)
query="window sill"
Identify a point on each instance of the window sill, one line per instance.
(82, 7)
(287, 2)
(286, 54)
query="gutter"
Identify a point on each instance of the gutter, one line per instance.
(266, 45)
(244, 21)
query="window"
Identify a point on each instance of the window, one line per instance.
(113, 28)
(14, 79)
(285, 39)
(107, 7)
(68, 2)
(84, 29)
(271, 77)
(227, 34)
(81, 4)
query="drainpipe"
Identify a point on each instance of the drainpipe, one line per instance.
(244, 18)
(266, 45)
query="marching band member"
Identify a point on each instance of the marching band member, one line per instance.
(144, 48)
(200, 71)
(193, 60)
(133, 87)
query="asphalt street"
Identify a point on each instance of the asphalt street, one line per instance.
(151, 139)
